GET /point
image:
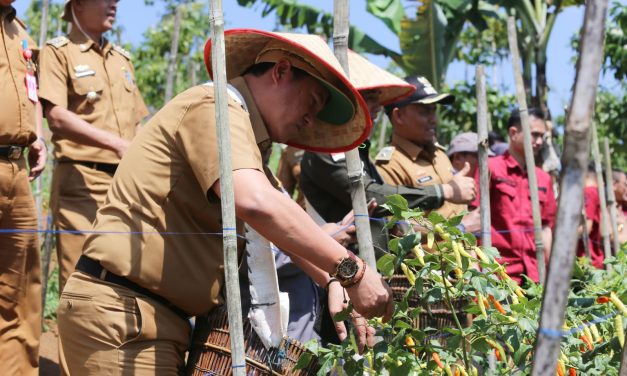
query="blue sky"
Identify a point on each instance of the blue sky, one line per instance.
(136, 18)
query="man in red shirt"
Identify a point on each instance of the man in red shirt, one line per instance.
(592, 206)
(510, 203)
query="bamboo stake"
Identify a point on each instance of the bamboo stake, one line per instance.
(353, 162)
(484, 172)
(611, 198)
(585, 238)
(529, 159)
(174, 47)
(605, 225)
(234, 303)
(623, 363)
(574, 168)
(43, 31)
(484, 177)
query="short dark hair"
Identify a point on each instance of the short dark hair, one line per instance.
(494, 136)
(260, 68)
(514, 117)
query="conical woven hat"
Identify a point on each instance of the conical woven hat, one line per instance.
(343, 123)
(366, 76)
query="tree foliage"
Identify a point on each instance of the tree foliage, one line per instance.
(151, 57)
(616, 42)
(56, 26)
(462, 116)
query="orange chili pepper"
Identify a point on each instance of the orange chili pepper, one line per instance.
(559, 371)
(586, 341)
(602, 299)
(497, 354)
(410, 343)
(497, 305)
(572, 372)
(436, 359)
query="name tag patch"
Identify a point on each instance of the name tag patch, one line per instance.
(424, 179)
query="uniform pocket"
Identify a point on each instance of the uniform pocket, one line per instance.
(86, 84)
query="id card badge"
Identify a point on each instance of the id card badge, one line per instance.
(31, 87)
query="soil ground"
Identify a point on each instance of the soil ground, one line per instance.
(49, 351)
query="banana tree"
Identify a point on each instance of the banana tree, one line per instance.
(536, 19)
(428, 30)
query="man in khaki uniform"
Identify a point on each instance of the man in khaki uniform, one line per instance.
(20, 128)
(414, 159)
(157, 255)
(93, 108)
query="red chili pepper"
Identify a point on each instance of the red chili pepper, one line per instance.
(436, 359)
(586, 341)
(572, 372)
(603, 299)
(497, 305)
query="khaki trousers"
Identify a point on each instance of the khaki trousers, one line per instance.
(77, 193)
(106, 329)
(20, 273)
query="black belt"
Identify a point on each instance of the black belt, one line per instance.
(109, 168)
(94, 269)
(11, 152)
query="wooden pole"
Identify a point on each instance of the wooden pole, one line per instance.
(174, 48)
(574, 169)
(353, 162)
(484, 173)
(234, 302)
(623, 363)
(605, 223)
(44, 239)
(585, 238)
(611, 198)
(529, 158)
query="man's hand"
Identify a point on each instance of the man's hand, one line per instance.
(372, 296)
(365, 333)
(120, 147)
(343, 232)
(37, 156)
(472, 221)
(460, 190)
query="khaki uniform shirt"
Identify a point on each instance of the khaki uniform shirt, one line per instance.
(161, 222)
(17, 116)
(96, 84)
(412, 166)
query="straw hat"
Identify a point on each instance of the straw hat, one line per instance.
(366, 76)
(343, 123)
(67, 11)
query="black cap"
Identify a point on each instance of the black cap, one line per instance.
(425, 94)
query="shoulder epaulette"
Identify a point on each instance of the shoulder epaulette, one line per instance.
(122, 51)
(58, 42)
(385, 154)
(338, 157)
(20, 22)
(437, 145)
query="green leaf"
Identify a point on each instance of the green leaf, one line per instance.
(435, 218)
(344, 315)
(304, 360)
(386, 263)
(389, 11)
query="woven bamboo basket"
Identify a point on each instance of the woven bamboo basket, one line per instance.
(211, 351)
(436, 315)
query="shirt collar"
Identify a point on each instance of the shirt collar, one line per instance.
(510, 161)
(8, 13)
(408, 147)
(85, 43)
(259, 127)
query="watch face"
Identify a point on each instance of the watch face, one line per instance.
(347, 269)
